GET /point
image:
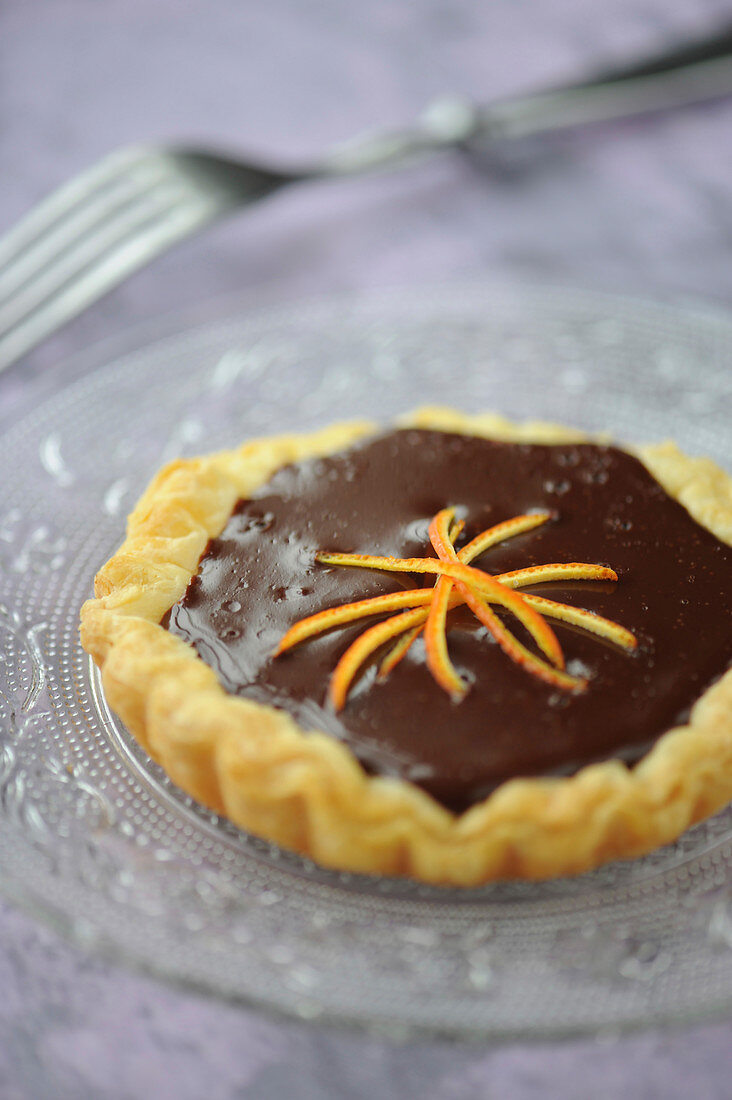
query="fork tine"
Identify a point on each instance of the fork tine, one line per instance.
(50, 276)
(60, 202)
(74, 222)
(85, 286)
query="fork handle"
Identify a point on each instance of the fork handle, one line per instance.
(47, 292)
(716, 45)
(679, 77)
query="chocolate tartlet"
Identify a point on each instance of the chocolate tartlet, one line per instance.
(432, 651)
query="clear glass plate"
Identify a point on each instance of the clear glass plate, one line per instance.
(93, 836)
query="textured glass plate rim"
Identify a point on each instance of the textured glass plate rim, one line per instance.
(208, 314)
(394, 1030)
(142, 339)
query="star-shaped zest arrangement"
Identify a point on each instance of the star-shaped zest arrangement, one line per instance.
(458, 582)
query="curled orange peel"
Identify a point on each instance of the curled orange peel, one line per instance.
(441, 532)
(435, 641)
(483, 583)
(360, 651)
(507, 641)
(588, 620)
(556, 571)
(457, 582)
(456, 529)
(509, 529)
(348, 613)
(398, 650)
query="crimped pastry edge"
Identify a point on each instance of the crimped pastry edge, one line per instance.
(305, 790)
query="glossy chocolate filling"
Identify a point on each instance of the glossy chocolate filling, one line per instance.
(261, 576)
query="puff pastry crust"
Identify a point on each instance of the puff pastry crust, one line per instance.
(305, 790)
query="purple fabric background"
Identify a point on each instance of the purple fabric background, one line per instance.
(641, 207)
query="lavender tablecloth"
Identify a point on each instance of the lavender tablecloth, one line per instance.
(641, 207)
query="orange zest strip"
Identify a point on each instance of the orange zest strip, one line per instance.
(500, 532)
(456, 528)
(556, 571)
(388, 565)
(348, 613)
(446, 551)
(518, 652)
(458, 582)
(435, 636)
(588, 620)
(399, 650)
(488, 586)
(360, 650)
(485, 584)
(475, 580)
(575, 616)
(435, 640)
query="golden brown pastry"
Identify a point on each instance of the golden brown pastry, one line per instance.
(468, 728)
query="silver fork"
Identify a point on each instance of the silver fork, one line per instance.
(92, 233)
